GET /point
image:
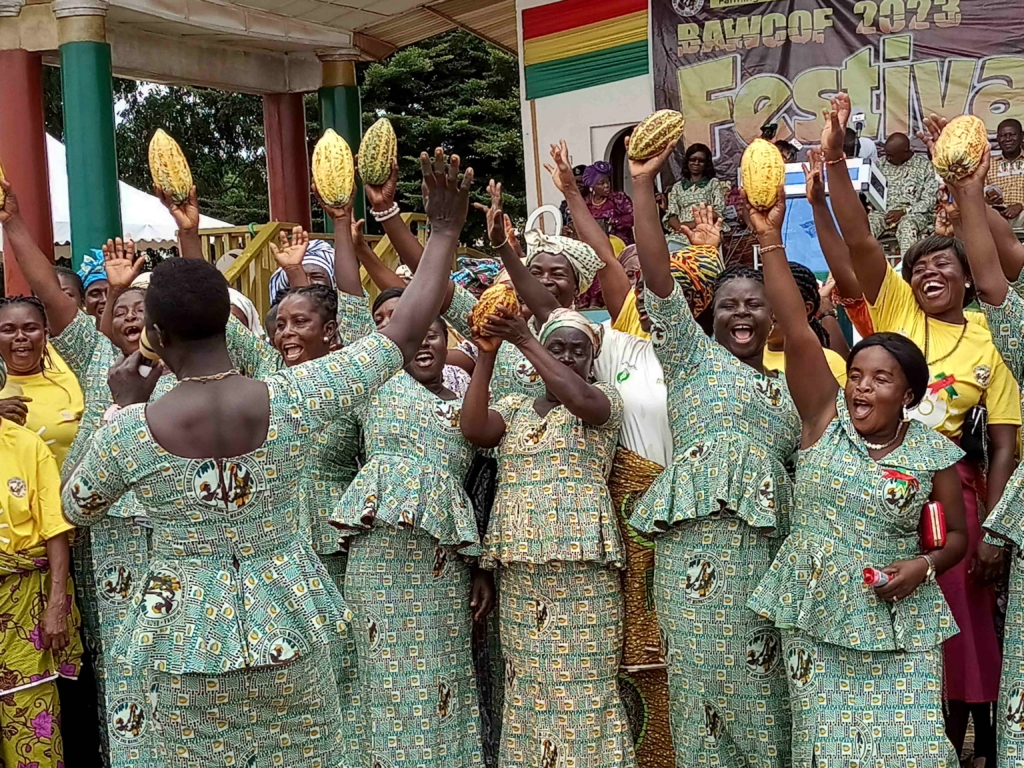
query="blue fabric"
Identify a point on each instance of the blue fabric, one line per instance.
(93, 268)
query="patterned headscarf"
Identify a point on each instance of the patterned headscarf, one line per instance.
(252, 316)
(695, 268)
(3, 373)
(142, 281)
(93, 268)
(595, 172)
(319, 253)
(570, 318)
(630, 259)
(582, 258)
(476, 275)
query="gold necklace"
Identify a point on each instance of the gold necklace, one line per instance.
(883, 446)
(927, 343)
(211, 377)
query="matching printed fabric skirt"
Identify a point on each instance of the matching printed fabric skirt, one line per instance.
(972, 658)
(865, 709)
(346, 674)
(561, 635)
(729, 702)
(271, 716)
(643, 680)
(413, 628)
(120, 558)
(1010, 709)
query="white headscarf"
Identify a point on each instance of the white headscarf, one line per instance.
(581, 257)
(252, 315)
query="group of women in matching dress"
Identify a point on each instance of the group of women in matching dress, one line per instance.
(283, 567)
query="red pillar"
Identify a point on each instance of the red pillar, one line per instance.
(23, 152)
(284, 125)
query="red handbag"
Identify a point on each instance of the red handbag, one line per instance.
(933, 526)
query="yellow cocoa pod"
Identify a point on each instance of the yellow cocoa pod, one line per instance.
(959, 147)
(500, 295)
(762, 170)
(377, 150)
(3, 195)
(333, 169)
(655, 133)
(168, 166)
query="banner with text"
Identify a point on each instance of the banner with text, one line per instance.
(732, 66)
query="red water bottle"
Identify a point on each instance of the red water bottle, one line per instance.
(875, 578)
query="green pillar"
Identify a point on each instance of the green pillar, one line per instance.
(340, 110)
(86, 81)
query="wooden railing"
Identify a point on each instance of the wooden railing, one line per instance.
(254, 261)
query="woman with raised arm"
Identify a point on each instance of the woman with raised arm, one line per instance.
(554, 540)
(863, 661)
(965, 370)
(984, 240)
(718, 513)
(217, 469)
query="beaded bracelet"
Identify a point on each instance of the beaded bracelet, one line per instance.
(770, 248)
(387, 213)
(840, 159)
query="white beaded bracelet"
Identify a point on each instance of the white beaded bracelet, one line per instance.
(387, 213)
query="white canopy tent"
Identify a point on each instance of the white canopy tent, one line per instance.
(143, 217)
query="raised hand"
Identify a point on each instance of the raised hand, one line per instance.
(507, 326)
(120, 263)
(707, 227)
(128, 385)
(357, 234)
(834, 132)
(447, 201)
(186, 214)
(382, 197)
(764, 222)
(291, 250)
(10, 207)
(15, 409)
(561, 171)
(495, 216)
(933, 125)
(647, 169)
(814, 176)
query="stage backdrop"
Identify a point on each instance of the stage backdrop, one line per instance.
(730, 66)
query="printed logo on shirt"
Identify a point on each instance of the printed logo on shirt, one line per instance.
(227, 485)
(17, 487)
(282, 647)
(764, 652)
(128, 719)
(162, 596)
(800, 665)
(898, 489)
(448, 413)
(1014, 713)
(703, 577)
(116, 580)
(526, 372)
(445, 700)
(982, 375)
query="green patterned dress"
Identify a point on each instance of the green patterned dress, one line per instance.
(236, 613)
(408, 583)
(554, 537)
(112, 556)
(718, 514)
(865, 676)
(1007, 520)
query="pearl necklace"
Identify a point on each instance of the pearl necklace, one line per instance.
(883, 446)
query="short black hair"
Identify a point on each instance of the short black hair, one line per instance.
(807, 282)
(932, 244)
(709, 164)
(71, 275)
(188, 299)
(386, 295)
(1010, 121)
(323, 297)
(786, 146)
(908, 356)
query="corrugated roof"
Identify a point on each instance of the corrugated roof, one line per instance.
(493, 20)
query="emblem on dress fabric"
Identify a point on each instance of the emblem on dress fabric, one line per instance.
(658, 336)
(800, 665)
(379, 761)
(766, 493)
(863, 746)
(116, 580)
(543, 615)
(764, 652)
(440, 562)
(128, 719)
(162, 595)
(898, 489)
(548, 753)
(769, 390)
(712, 723)
(280, 647)
(369, 513)
(445, 700)
(448, 414)
(226, 485)
(982, 375)
(526, 372)
(510, 674)
(1013, 714)
(85, 498)
(374, 632)
(696, 452)
(17, 487)
(703, 577)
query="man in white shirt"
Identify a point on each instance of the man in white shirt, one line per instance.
(865, 149)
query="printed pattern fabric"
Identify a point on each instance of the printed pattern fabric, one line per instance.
(416, 466)
(734, 430)
(344, 661)
(286, 716)
(30, 720)
(553, 501)
(233, 581)
(855, 707)
(853, 512)
(413, 630)
(726, 678)
(513, 373)
(561, 634)
(685, 194)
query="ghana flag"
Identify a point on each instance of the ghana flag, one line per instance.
(577, 44)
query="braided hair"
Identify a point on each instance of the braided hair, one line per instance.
(809, 292)
(738, 272)
(322, 297)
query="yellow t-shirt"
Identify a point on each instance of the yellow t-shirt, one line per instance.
(30, 511)
(56, 407)
(776, 361)
(628, 320)
(964, 366)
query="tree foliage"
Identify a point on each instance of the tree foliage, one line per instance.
(454, 91)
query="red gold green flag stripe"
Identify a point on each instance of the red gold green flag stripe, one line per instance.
(586, 70)
(590, 38)
(567, 15)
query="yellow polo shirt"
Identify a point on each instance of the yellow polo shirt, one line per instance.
(776, 361)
